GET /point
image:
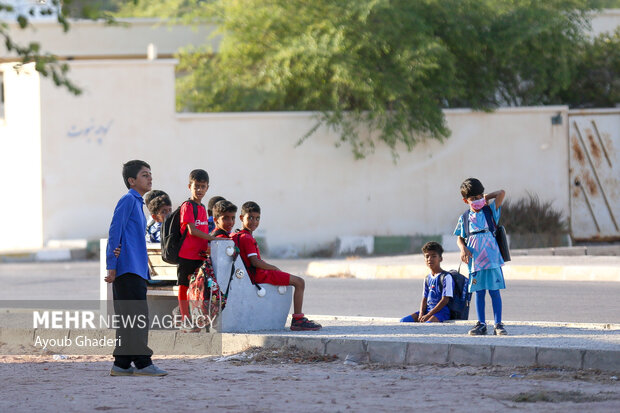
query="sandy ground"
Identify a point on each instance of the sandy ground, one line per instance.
(263, 380)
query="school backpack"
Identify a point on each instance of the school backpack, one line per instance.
(171, 237)
(459, 302)
(498, 231)
(206, 300)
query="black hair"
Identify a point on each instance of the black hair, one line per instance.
(199, 175)
(250, 206)
(432, 246)
(214, 200)
(471, 187)
(152, 194)
(156, 204)
(131, 169)
(222, 207)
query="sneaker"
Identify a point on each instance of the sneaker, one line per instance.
(499, 330)
(151, 370)
(119, 371)
(480, 329)
(303, 324)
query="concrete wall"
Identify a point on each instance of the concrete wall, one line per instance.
(20, 160)
(310, 194)
(87, 39)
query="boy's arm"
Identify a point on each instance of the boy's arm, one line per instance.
(441, 304)
(119, 220)
(258, 263)
(422, 307)
(195, 232)
(497, 195)
(465, 252)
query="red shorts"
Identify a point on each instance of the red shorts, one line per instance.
(272, 277)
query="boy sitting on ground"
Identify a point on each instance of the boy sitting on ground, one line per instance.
(224, 218)
(262, 272)
(437, 289)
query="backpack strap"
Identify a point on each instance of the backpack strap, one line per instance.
(488, 214)
(442, 280)
(235, 238)
(465, 220)
(219, 231)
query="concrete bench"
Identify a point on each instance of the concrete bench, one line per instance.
(245, 310)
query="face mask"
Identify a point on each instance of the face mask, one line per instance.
(478, 204)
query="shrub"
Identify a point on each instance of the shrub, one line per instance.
(532, 223)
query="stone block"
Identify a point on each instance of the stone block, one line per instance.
(604, 250)
(427, 353)
(387, 352)
(307, 343)
(162, 341)
(606, 360)
(513, 356)
(471, 354)
(246, 310)
(342, 347)
(560, 357)
(200, 344)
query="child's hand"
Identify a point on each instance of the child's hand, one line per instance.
(117, 251)
(110, 277)
(424, 318)
(465, 255)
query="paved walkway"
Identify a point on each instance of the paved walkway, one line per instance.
(377, 340)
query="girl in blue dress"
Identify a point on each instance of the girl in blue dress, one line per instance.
(480, 252)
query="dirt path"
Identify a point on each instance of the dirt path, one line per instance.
(265, 380)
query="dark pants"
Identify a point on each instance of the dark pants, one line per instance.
(129, 291)
(185, 270)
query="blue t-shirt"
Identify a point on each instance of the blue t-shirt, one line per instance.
(434, 290)
(153, 232)
(484, 249)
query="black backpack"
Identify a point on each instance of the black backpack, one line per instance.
(459, 302)
(171, 237)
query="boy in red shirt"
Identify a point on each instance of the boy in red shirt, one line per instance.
(261, 272)
(194, 218)
(224, 218)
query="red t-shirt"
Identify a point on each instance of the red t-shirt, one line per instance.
(193, 246)
(247, 248)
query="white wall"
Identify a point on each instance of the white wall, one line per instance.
(605, 21)
(20, 160)
(310, 194)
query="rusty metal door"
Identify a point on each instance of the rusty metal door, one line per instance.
(594, 174)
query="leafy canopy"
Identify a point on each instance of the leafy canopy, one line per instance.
(47, 64)
(381, 70)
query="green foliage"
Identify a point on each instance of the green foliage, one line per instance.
(380, 70)
(597, 79)
(45, 63)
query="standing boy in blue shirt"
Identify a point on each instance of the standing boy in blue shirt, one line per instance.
(128, 274)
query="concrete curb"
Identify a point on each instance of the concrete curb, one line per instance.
(361, 350)
(45, 255)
